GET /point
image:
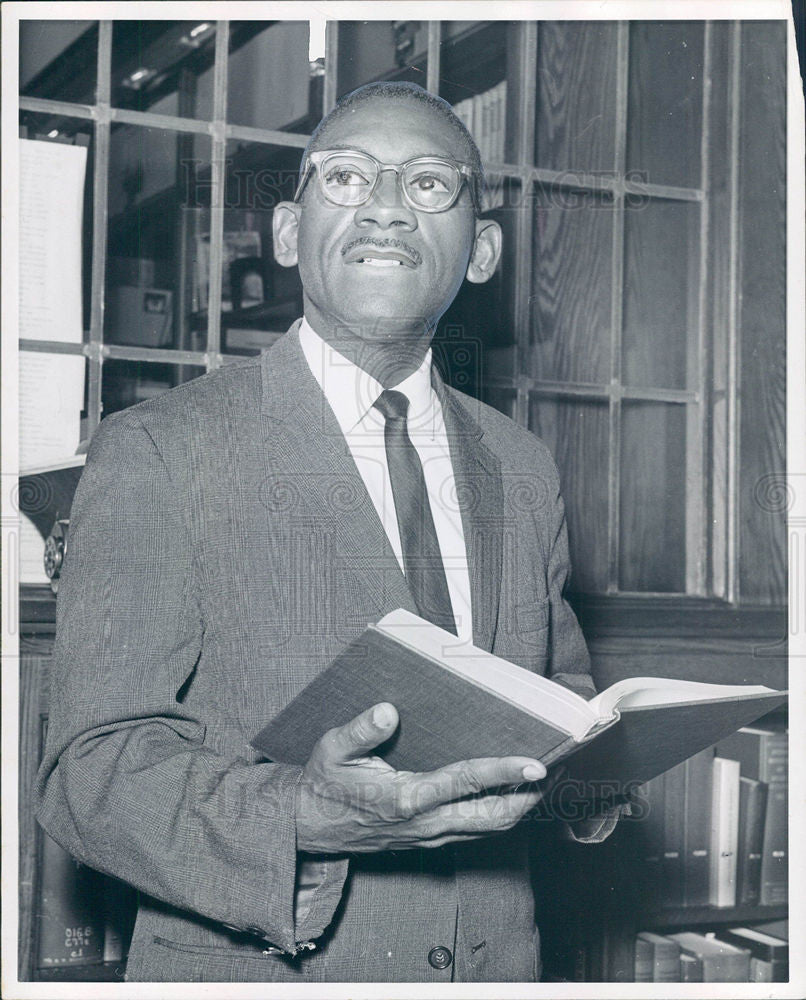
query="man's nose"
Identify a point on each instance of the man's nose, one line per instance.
(387, 207)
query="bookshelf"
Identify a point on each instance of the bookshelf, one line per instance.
(622, 326)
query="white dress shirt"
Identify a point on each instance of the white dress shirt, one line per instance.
(351, 393)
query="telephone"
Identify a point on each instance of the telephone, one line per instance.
(55, 549)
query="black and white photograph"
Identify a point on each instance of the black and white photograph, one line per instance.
(404, 499)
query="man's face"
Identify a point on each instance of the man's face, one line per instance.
(346, 254)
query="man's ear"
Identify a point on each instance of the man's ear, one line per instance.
(486, 251)
(285, 228)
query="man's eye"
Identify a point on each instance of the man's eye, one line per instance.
(429, 182)
(345, 177)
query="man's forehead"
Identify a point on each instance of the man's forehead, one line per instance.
(394, 129)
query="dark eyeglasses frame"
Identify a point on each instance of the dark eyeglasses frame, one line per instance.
(467, 173)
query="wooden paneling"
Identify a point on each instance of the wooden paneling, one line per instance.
(576, 433)
(665, 101)
(661, 284)
(762, 317)
(576, 96)
(571, 286)
(652, 546)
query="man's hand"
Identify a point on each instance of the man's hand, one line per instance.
(349, 801)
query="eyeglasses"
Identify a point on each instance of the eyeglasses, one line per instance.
(349, 178)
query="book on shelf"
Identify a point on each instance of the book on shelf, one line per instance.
(70, 923)
(763, 755)
(769, 955)
(632, 731)
(721, 962)
(674, 817)
(690, 969)
(752, 816)
(644, 958)
(484, 116)
(649, 834)
(724, 832)
(663, 956)
(698, 781)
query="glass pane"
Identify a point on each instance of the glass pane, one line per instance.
(664, 117)
(652, 546)
(381, 50)
(59, 59)
(481, 315)
(473, 78)
(52, 407)
(576, 95)
(576, 432)
(124, 383)
(76, 132)
(159, 183)
(504, 400)
(272, 83)
(661, 294)
(571, 286)
(259, 298)
(158, 66)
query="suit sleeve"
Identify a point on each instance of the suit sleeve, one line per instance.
(131, 782)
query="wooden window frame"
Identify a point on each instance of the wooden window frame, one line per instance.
(712, 529)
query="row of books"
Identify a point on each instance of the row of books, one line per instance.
(715, 831)
(733, 955)
(484, 116)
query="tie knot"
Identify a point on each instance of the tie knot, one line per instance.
(392, 404)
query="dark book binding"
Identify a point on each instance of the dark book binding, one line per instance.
(697, 827)
(752, 816)
(674, 818)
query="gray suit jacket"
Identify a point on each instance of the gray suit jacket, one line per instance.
(222, 550)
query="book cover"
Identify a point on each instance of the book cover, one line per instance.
(70, 925)
(724, 832)
(697, 827)
(721, 962)
(458, 702)
(752, 817)
(644, 958)
(665, 957)
(764, 756)
(690, 969)
(674, 818)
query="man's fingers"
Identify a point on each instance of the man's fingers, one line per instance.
(362, 734)
(467, 777)
(480, 816)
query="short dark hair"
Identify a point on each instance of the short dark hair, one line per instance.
(399, 91)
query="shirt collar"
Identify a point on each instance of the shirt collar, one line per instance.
(352, 392)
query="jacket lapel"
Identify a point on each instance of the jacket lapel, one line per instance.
(314, 470)
(477, 472)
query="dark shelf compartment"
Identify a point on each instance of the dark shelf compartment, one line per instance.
(703, 916)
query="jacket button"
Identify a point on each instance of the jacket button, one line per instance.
(439, 957)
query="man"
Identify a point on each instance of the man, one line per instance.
(230, 538)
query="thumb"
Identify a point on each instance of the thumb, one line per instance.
(363, 733)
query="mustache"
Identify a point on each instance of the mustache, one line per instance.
(386, 243)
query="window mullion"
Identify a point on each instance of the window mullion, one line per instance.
(217, 193)
(616, 307)
(432, 64)
(331, 66)
(100, 216)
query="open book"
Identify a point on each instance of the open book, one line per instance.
(457, 702)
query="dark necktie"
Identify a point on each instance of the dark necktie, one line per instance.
(422, 560)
